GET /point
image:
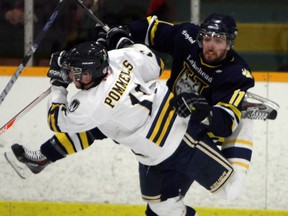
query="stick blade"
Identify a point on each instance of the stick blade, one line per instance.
(21, 169)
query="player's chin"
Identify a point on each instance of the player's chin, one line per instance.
(77, 85)
(210, 59)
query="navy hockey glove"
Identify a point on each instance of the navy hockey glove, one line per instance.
(118, 38)
(191, 104)
(57, 76)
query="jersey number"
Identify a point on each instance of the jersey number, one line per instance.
(137, 99)
(237, 97)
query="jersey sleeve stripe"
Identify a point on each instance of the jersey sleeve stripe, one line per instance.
(163, 122)
(153, 23)
(84, 140)
(53, 117)
(66, 142)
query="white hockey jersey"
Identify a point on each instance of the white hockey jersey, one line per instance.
(128, 106)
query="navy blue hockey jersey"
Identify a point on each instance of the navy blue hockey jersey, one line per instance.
(223, 85)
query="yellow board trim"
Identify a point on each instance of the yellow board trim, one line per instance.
(261, 76)
(273, 37)
(27, 71)
(15, 208)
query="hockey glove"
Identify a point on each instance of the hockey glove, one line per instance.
(57, 76)
(101, 36)
(118, 38)
(191, 104)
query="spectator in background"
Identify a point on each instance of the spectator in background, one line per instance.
(14, 14)
(63, 29)
(11, 31)
(115, 12)
(72, 26)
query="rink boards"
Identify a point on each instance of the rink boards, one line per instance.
(42, 208)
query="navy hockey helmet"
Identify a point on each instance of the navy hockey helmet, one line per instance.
(87, 56)
(218, 24)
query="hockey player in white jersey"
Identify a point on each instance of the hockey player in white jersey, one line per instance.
(114, 95)
(116, 89)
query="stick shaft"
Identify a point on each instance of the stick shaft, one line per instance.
(92, 16)
(26, 109)
(31, 51)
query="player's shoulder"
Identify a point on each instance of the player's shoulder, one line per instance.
(187, 29)
(131, 50)
(237, 66)
(237, 61)
(117, 56)
(184, 36)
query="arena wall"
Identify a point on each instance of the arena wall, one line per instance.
(107, 173)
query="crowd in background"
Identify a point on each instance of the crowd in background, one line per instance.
(72, 25)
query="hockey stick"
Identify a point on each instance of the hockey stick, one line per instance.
(25, 110)
(258, 107)
(31, 51)
(92, 16)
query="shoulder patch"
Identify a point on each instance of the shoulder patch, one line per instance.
(73, 105)
(247, 73)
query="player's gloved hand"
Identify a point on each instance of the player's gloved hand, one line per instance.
(101, 35)
(118, 37)
(191, 104)
(57, 76)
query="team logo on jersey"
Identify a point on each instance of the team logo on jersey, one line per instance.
(246, 73)
(74, 105)
(188, 81)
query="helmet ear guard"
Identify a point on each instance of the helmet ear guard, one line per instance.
(218, 24)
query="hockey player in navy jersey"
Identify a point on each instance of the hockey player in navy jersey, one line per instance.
(204, 65)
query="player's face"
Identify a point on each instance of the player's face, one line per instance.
(214, 48)
(83, 81)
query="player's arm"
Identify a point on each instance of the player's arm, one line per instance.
(151, 31)
(149, 65)
(227, 103)
(225, 116)
(160, 35)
